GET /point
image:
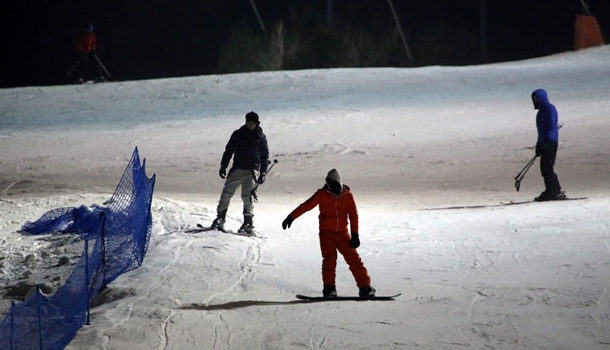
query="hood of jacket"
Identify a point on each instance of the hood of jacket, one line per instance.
(542, 97)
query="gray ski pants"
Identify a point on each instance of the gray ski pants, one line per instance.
(236, 178)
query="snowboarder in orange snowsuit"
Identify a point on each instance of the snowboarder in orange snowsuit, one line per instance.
(337, 206)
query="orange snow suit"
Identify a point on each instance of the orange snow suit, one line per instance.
(335, 210)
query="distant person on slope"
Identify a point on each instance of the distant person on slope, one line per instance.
(86, 45)
(546, 146)
(249, 145)
(337, 206)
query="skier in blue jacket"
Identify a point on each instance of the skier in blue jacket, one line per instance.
(250, 152)
(546, 145)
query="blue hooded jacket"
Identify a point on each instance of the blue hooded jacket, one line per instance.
(546, 119)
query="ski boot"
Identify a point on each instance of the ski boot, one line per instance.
(550, 196)
(544, 196)
(329, 291)
(366, 292)
(559, 196)
(247, 227)
(219, 222)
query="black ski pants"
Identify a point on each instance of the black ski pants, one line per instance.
(548, 155)
(86, 58)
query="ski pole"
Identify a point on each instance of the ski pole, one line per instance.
(521, 174)
(72, 70)
(527, 167)
(102, 65)
(253, 196)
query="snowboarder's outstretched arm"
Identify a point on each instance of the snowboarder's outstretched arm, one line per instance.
(306, 206)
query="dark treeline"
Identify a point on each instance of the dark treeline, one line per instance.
(154, 39)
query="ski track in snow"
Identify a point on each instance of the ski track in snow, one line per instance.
(602, 332)
(124, 316)
(250, 259)
(453, 250)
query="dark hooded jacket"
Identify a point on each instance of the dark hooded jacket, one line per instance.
(546, 119)
(250, 149)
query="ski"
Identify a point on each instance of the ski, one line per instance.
(340, 298)
(501, 204)
(535, 201)
(201, 228)
(464, 207)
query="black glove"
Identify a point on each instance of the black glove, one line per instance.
(261, 179)
(355, 241)
(287, 222)
(222, 172)
(538, 150)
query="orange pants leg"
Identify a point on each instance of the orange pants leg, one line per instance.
(329, 258)
(330, 243)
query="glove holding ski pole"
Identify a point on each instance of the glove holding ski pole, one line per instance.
(260, 181)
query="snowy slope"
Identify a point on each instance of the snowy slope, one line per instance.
(532, 276)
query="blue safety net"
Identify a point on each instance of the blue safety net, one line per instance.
(115, 237)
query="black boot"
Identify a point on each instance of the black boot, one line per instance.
(366, 292)
(544, 196)
(219, 222)
(329, 291)
(247, 226)
(559, 195)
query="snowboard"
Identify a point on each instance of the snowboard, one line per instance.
(201, 228)
(341, 297)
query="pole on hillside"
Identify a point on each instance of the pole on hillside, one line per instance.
(402, 36)
(73, 68)
(483, 29)
(585, 8)
(103, 67)
(258, 17)
(330, 8)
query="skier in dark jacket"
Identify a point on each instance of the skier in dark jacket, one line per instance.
(546, 145)
(250, 152)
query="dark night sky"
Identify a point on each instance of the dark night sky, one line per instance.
(140, 39)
